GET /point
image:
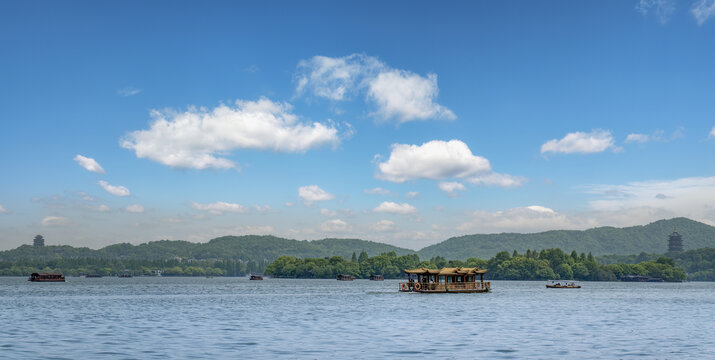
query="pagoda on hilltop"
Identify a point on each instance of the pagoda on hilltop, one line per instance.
(675, 241)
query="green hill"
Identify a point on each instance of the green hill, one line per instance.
(651, 238)
(245, 248)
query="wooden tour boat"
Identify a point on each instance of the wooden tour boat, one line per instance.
(446, 280)
(345, 277)
(46, 277)
(562, 284)
(256, 277)
(377, 278)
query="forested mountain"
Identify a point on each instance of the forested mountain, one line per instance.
(244, 248)
(651, 238)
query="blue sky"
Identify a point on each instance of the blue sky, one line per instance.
(401, 122)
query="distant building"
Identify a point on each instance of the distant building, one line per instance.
(675, 242)
(39, 241)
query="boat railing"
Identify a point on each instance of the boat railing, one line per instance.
(446, 287)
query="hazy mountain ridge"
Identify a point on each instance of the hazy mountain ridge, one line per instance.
(651, 238)
(248, 247)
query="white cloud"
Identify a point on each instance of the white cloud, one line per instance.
(412, 194)
(434, 160)
(712, 133)
(50, 221)
(265, 209)
(640, 138)
(451, 187)
(497, 179)
(384, 226)
(703, 10)
(399, 95)
(328, 213)
(220, 207)
(580, 142)
(3, 210)
(135, 209)
(522, 219)
(114, 190)
(198, 137)
(692, 197)
(378, 191)
(662, 9)
(102, 208)
(289, 204)
(405, 96)
(335, 225)
(334, 78)
(395, 208)
(128, 91)
(89, 164)
(313, 193)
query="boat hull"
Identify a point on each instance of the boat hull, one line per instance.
(562, 287)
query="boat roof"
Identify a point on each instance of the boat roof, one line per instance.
(563, 281)
(446, 271)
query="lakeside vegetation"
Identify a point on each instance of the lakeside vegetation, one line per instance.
(531, 265)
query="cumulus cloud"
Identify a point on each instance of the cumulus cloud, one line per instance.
(220, 207)
(662, 9)
(412, 194)
(128, 91)
(313, 193)
(199, 138)
(3, 210)
(405, 96)
(703, 10)
(135, 209)
(384, 226)
(398, 95)
(89, 164)
(436, 160)
(114, 190)
(50, 221)
(395, 208)
(335, 225)
(451, 187)
(580, 142)
(712, 133)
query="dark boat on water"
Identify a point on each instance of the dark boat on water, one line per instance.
(561, 284)
(377, 278)
(46, 277)
(344, 277)
(256, 277)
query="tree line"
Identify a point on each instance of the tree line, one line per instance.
(531, 265)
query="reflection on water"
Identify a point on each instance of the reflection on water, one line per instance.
(283, 318)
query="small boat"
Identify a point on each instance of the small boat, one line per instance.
(46, 277)
(562, 284)
(377, 278)
(345, 277)
(256, 277)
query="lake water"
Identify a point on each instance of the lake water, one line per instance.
(222, 318)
